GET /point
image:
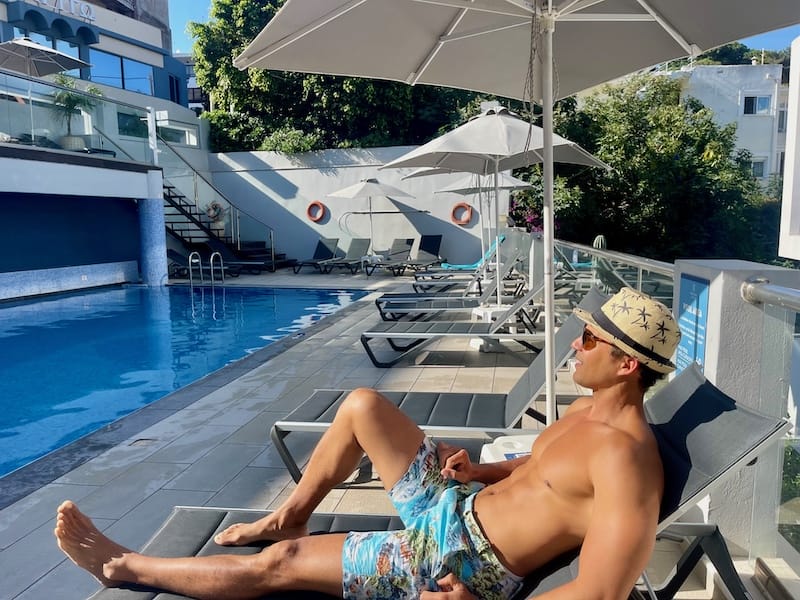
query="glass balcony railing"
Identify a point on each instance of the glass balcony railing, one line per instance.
(610, 271)
(32, 115)
(39, 114)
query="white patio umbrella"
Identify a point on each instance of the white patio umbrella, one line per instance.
(489, 144)
(35, 60)
(508, 48)
(367, 188)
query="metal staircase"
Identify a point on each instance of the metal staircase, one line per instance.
(185, 220)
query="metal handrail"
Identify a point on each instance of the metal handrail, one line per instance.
(217, 255)
(644, 264)
(760, 291)
(195, 259)
(211, 185)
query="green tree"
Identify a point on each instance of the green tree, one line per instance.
(295, 110)
(678, 188)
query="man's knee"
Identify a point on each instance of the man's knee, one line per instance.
(365, 402)
(278, 560)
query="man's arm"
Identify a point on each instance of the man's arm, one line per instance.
(622, 530)
(457, 465)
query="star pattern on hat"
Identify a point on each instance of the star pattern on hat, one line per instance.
(621, 307)
(660, 334)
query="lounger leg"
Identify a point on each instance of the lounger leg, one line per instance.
(403, 352)
(277, 435)
(709, 541)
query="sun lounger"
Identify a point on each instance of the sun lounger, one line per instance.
(704, 438)
(478, 264)
(395, 260)
(405, 337)
(427, 253)
(352, 260)
(393, 306)
(326, 249)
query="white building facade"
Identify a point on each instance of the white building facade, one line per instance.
(755, 98)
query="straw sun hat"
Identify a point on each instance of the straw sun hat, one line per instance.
(637, 325)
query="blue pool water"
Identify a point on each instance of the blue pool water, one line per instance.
(71, 364)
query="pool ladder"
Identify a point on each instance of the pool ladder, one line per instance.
(196, 262)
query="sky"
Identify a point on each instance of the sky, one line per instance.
(180, 13)
(183, 11)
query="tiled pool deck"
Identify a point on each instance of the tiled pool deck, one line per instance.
(209, 445)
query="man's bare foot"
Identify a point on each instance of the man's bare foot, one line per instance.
(83, 543)
(267, 529)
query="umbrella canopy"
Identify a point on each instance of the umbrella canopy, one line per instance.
(367, 188)
(25, 56)
(474, 185)
(497, 140)
(484, 45)
(536, 51)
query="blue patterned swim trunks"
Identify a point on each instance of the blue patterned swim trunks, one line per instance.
(441, 537)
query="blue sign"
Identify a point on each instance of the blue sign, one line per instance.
(692, 312)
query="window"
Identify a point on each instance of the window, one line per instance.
(781, 161)
(174, 89)
(782, 121)
(132, 125)
(120, 72)
(137, 77)
(758, 168)
(177, 134)
(106, 68)
(756, 105)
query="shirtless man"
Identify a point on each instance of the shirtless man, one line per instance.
(593, 479)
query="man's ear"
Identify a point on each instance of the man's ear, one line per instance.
(628, 364)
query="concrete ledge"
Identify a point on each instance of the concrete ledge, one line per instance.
(776, 579)
(20, 284)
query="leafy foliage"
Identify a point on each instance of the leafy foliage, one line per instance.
(67, 99)
(678, 188)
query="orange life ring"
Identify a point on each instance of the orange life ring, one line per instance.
(466, 213)
(316, 211)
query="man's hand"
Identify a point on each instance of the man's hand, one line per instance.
(455, 463)
(452, 589)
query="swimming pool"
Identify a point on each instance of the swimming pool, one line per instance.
(70, 364)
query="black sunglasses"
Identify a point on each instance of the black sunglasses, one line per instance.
(590, 340)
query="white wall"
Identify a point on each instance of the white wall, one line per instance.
(278, 189)
(722, 88)
(789, 246)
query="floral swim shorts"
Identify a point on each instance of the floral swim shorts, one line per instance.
(441, 537)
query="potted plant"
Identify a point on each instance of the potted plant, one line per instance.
(66, 101)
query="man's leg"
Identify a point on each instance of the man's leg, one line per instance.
(311, 563)
(365, 423)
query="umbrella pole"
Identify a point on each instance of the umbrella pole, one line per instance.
(371, 231)
(497, 233)
(30, 107)
(547, 212)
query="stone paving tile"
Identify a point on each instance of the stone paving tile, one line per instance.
(30, 559)
(36, 509)
(193, 445)
(128, 490)
(216, 469)
(64, 582)
(253, 487)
